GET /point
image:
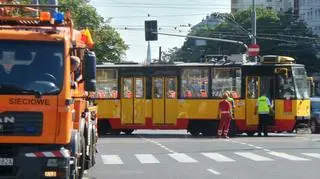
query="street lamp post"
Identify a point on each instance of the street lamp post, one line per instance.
(254, 23)
(254, 26)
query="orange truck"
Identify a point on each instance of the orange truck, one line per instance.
(47, 127)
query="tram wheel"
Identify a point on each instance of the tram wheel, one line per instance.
(194, 133)
(115, 132)
(250, 133)
(128, 131)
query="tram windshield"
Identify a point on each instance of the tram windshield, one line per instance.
(301, 83)
(294, 86)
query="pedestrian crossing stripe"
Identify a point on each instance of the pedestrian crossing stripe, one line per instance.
(253, 156)
(217, 157)
(183, 158)
(314, 155)
(146, 158)
(288, 156)
(111, 159)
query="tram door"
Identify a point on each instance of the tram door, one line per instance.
(252, 95)
(133, 100)
(256, 86)
(164, 100)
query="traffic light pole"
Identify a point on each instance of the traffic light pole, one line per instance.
(204, 38)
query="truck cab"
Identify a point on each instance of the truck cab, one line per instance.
(47, 129)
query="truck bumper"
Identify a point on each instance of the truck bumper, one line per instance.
(26, 162)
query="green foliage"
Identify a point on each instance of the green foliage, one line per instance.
(109, 46)
(277, 33)
(171, 55)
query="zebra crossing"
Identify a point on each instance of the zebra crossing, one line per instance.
(213, 156)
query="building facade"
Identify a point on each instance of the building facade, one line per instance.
(309, 11)
(278, 5)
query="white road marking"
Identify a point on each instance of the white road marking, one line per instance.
(146, 158)
(160, 145)
(314, 155)
(218, 157)
(287, 156)
(111, 159)
(183, 158)
(213, 172)
(315, 140)
(253, 156)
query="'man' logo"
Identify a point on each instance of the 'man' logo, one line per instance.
(6, 120)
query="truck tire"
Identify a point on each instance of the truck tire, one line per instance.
(81, 159)
(88, 146)
(78, 166)
(94, 147)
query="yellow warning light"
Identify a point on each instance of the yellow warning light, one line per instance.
(45, 16)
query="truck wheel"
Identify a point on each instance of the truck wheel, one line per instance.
(81, 159)
(73, 170)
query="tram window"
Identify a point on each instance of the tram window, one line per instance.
(107, 83)
(194, 83)
(252, 91)
(226, 79)
(139, 88)
(158, 88)
(127, 88)
(171, 88)
(286, 87)
(267, 86)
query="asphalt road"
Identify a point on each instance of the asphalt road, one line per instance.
(176, 155)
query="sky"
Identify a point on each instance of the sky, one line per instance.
(173, 16)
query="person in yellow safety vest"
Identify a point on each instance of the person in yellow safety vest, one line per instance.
(230, 99)
(263, 108)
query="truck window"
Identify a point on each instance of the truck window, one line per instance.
(40, 64)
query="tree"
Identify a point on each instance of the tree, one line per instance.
(277, 33)
(109, 46)
(171, 55)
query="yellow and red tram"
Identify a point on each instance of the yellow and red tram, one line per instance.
(186, 95)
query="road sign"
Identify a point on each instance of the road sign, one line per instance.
(253, 50)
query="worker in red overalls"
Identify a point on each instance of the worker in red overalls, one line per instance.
(225, 116)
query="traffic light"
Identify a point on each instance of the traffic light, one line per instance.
(151, 30)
